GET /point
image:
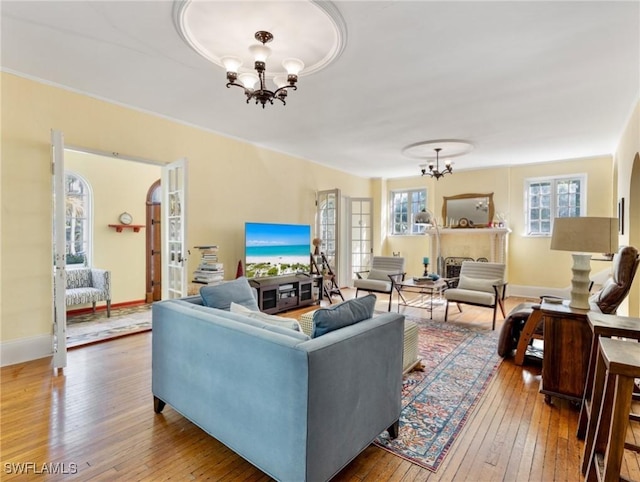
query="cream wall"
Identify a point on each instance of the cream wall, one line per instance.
(117, 186)
(229, 182)
(278, 189)
(627, 163)
(414, 248)
(532, 266)
(531, 261)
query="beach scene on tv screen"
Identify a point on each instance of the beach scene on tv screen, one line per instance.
(276, 249)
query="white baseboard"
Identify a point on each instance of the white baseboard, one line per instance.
(535, 292)
(25, 349)
(598, 277)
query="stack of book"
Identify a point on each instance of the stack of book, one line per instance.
(209, 271)
(423, 280)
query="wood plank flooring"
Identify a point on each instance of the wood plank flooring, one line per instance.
(95, 421)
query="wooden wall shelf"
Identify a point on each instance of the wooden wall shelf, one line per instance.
(120, 227)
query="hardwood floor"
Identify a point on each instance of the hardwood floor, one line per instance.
(96, 421)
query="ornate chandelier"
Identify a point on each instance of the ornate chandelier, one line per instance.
(434, 171)
(248, 80)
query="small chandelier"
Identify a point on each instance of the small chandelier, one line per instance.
(248, 80)
(435, 171)
(482, 206)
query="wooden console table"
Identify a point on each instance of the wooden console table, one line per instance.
(567, 346)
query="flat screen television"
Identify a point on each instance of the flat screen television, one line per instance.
(276, 249)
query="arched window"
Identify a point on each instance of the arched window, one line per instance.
(77, 220)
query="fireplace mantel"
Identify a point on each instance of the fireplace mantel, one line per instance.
(444, 231)
(483, 242)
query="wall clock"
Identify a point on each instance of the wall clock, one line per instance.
(126, 218)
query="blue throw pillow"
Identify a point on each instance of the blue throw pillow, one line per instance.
(344, 314)
(222, 295)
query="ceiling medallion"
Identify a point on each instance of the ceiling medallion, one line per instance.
(218, 31)
(425, 149)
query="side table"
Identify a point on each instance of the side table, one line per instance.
(567, 345)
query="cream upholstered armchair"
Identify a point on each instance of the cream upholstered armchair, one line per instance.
(480, 284)
(384, 273)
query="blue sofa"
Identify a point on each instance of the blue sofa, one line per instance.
(299, 409)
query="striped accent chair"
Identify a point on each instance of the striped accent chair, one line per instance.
(88, 285)
(480, 284)
(385, 272)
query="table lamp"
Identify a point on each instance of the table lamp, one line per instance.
(584, 235)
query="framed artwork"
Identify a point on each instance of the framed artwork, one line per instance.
(621, 215)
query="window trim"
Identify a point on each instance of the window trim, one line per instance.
(582, 177)
(420, 229)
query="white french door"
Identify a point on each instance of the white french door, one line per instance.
(174, 244)
(59, 250)
(360, 233)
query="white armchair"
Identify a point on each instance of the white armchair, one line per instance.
(480, 284)
(385, 272)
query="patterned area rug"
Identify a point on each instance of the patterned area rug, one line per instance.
(89, 328)
(459, 363)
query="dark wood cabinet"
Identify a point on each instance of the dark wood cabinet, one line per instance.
(567, 346)
(284, 292)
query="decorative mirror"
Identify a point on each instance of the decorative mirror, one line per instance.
(468, 210)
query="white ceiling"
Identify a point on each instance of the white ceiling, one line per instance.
(524, 82)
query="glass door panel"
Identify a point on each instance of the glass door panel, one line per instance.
(174, 237)
(361, 229)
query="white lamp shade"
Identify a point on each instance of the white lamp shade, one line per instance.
(232, 64)
(248, 79)
(280, 81)
(293, 66)
(260, 52)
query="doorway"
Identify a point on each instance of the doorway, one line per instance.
(117, 185)
(154, 244)
(633, 227)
